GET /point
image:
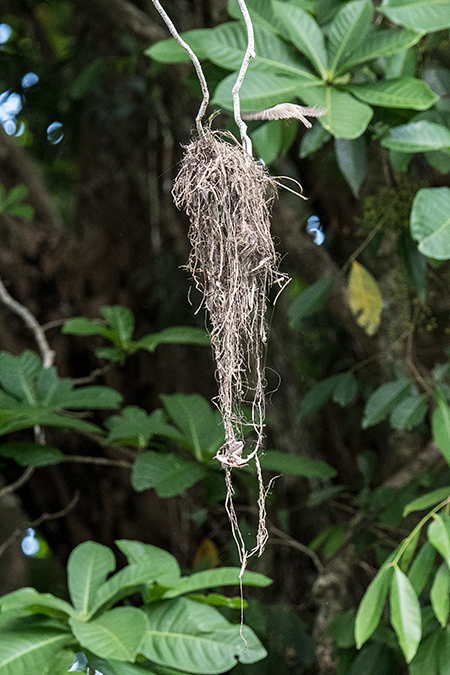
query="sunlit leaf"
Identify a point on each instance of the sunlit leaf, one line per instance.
(365, 298)
(401, 92)
(88, 566)
(439, 594)
(405, 614)
(430, 221)
(347, 31)
(421, 15)
(439, 535)
(421, 567)
(430, 499)
(417, 137)
(371, 607)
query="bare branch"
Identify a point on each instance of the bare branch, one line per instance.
(103, 461)
(249, 54)
(12, 487)
(47, 354)
(195, 61)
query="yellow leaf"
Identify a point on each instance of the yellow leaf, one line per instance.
(365, 298)
(206, 555)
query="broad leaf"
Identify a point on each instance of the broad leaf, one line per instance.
(410, 412)
(138, 553)
(121, 319)
(301, 29)
(382, 43)
(17, 374)
(169, 51)
(313, 140)
(347, 31)
(310, 300)
(371, 607)
(346, 388)
(31, 454)
(443, 652)
(383, 400)
(401, 92)
(346, 117)
(38, 603)
(421, 15)
(417, 137)
(319, 394)
(259, 90)
(29, 647)
(296, 465)
(365, 298)
(180, 335)
(116, 634)
(193, 637)
(135, 427)
(405, 614)
(88, 566)
(167, 473)
(430, 221)
(81, 326)
(92, 396)
(439, 535)
(222, 576)
(351, 157)
(439, 594)
(430, 499)
(425, 661)
(421, 568)
(440, 424)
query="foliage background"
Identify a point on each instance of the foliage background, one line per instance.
(104, 232)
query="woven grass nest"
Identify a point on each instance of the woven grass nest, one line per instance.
(227, 196)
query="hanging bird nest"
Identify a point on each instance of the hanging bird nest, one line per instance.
(227, 196)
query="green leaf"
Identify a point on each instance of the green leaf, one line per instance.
(267, 140)
(401, 92)
(30, 647)
(383, 400)
(405, 614)
(430, 499)
(180, 335)
(421, 15)
(259, 90)
(310, 300)
(439, 594)
(167, 473)
(319, 394)
(430, 222)
(382, 43)
(138, 553)
(222, 576)
(17, 374)
(426, 658)
(201, 426)
(410, 412)
(421, 568)
(351, 157)
(443, 652)
(81, 326)
(347, 31)
(301, 29)
(92, 396)
(440, 425)
(38, 603)
(135, 427)
(116, 634)
(371, 607)
(121, 320)
(88, 566)
(346, 117)
(439, 80)
(113, 667)
(415, 263)
(21, 210)
(296, 465)
(169, 51)
(346, 389)
(365, 298)
(439, 535)
(218, 600)
(16, 195)
(313, 139)
(417, 137)
(193, 637)
(31, 454)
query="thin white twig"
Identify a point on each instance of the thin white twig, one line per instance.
(249, 54)
(194, 59)
(47, 353)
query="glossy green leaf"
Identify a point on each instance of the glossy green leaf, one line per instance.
(31, 454)
(169, 51)
(201, 426)
(135, 427)
(180, 335)
(138, 553)
(347, 31)
(87, 568)
(417, 137)
(371, 607)
(401, 92)
(431, 499)
(310, 300)
(302, 30)
(38, 603)
(346, 117)
(364, 298)
(421, 15)
(81, 326)
(92, 396)
(401, 64)
(167, 473)
(439, 594)
(351, 157)
(313, 140)
(116, 634)
(410, 412)
(381, 43)
(440, 425)
(405, 614)
(222, 576)
(383, 400)
(430, 222)
(259, 90)
(425, 661)
(439, 535)
(121, 319)
(17, 374)
(421, 567)
(193, 637)
(30, 647)
(296, 465)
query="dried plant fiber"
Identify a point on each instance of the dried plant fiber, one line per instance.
(227, 196)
